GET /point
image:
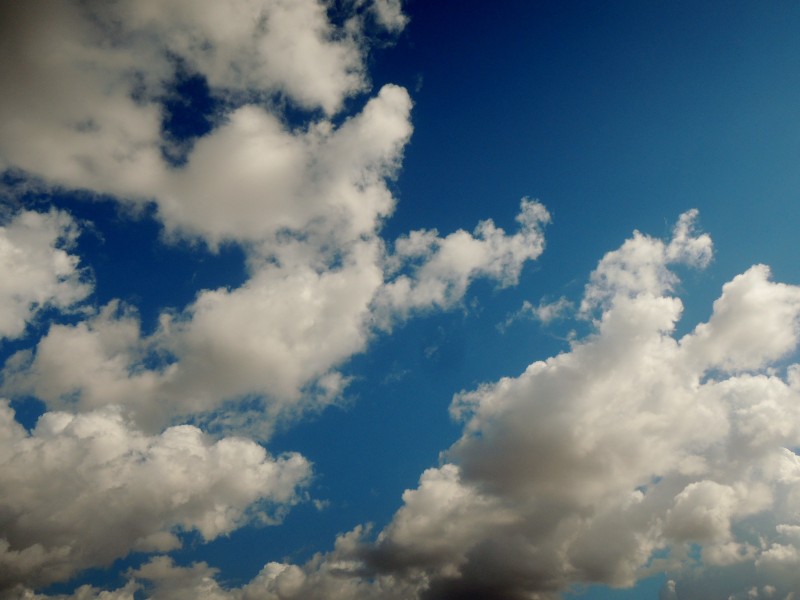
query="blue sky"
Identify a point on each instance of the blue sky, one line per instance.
(420, 300)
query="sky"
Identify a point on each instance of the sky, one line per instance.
(409, 300)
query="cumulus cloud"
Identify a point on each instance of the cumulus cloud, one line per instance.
(83, 109)
(641, 265)
(441, 268)
(281, 336)
(623, 446)
(36, 269)
(82, 490)
(82, 106)
(610, 462)
(82, 82)
(306, 201)
(607, 463)
(253, 178)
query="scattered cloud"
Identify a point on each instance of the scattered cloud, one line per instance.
(634, 452)
(607, 463)
(305, 202)
(83, 82)
(544, 312)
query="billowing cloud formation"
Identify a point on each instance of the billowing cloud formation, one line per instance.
(83, 490)
(632, 443)
(281, 335)
(306, 202)
(36, 270)
(82, 81)
(83, 87)
(613, 461)
(277, 169)
(624, 456)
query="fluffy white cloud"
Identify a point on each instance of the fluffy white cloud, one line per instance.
(280, 336)
(306, 201)
(443, 268)
(83, 490)
(36, 269)
(641, 265)
(609, 462)
(612, 461)
(623, 445)
(82, 109)
(253, 179)
(82, 87)
(81, 83)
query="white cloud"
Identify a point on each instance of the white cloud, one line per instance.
(389, 13)
(442, 268)
(306, 201)
(609, 462)
(81, 83)
(544, 312)
(253, 179)
(280, 336)
(83, 490)
(88, 365)
(641, 265)
(755, 322)
(36, 270)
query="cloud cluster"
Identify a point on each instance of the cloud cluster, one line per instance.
(285, 172)
(631, 454)
(609, 462)
(306, 203)
(84, 87)
(280, 336)
(36, 269)
(83, 490)
(83, 81)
